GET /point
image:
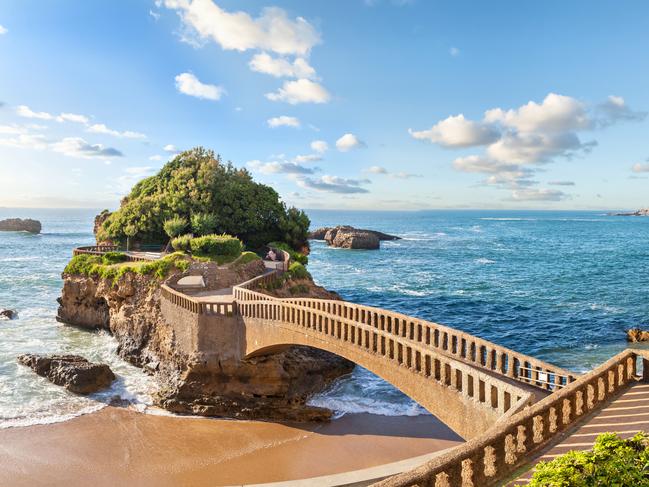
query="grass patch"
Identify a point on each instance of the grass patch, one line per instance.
(246, 258)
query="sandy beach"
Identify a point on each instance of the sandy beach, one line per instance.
(120, 447)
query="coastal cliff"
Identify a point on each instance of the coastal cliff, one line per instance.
(195, 380)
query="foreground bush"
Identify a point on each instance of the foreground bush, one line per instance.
(213, 245)
(182, 243)
(93, 265)
(298, 271)
(113, 258)
(612, 462)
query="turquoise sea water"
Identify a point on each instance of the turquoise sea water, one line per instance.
(563, 286)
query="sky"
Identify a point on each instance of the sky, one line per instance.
(340, 104)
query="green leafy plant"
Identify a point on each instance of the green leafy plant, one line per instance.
(246, 258)
(295, 255)
(213, 245)
(298, 271)
(204, 223)
(182, 243)
(113, 258)
(613, 461)
(175, 226)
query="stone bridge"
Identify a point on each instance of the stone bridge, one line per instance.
(510, 407)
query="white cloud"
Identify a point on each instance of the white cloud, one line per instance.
(333, 184)
(396, 175)
(100, 128)
(281, 67)
(171, 149)
(308, 158)
(25, 141)
(557, 113)
(77, 147)
(276, 167)
(536, 147)
(283, 121)
(377, 170)
(615, 109)
(538, 194)
(454, 51)
(349, 142)
(640, 167)
(132, 175)
(12, 129)
(189, 84)
(561, 183)
(3, 30)
(272, 31)
(319, 146)
(26, 112)
(72, 117)
(456, 131)
(300, 91)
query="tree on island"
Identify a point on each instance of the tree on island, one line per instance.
(215, 197)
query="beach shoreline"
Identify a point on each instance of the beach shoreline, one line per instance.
(117, 446)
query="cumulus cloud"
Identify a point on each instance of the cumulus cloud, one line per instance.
(78, 147)
(538, 194)
(3, 30)
(349, 142)
(272, 31)
(395, 175)
(26, 112)
(615, 109)
(281, 67)
(319, 146)
(333, 184)
(283, 121)
(457, 131)
(276, 167)
(100, 128)
(171, 149)
(640, 167)
(521, 147)
(308, 158)
(23, 140)
(189, 84)
(72, 117)
(300, 91)
(377, 170)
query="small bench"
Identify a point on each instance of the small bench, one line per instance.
(191, 282)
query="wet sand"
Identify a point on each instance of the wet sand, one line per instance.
(118, 447)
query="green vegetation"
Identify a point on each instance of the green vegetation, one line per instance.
(94, 265)
(113, 258)
(299, 289)
(197, 182)
(295, 255)
(204, 223)
(298, 271)
(174, 226)
(216, 245)
(612, 462)
(182, 243)
(246, 258)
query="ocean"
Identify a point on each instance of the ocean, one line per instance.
(562, 286)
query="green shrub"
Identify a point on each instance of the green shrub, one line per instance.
(113, 258)
(81, 264)
(182, 243)
(204, 223)
(247, 257)
(174, 226)
(299, 289)
(298, 271)
(213, 245)
(295, 255)
(612, 462)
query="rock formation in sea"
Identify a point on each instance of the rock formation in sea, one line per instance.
(637, 335)
(347, 237)
(73, 372)
(8, 314)
(19, 225)
(640, 212)
(194, 380)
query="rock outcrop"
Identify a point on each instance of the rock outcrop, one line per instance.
(73, 372)
(8, 314)
(19, 225)
(195, 381)
(640, 212)
(347, 237)
(637, 335)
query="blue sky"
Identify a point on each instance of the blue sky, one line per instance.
(383, 104)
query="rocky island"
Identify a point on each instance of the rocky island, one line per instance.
(347, 237)
(640, 212)
(196, 372)
(19, 225)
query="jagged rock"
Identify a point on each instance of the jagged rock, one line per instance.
(73, 372)
(640, 212)
(99, 221)
(18, 225)
(274, 387)
(8, 314)
(637, 335)
(348, 237)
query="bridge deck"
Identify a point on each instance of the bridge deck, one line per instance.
(625, 415)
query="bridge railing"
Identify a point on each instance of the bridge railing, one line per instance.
(196, 306)
(493, 457)
(473, 383)
(95, 249)
(463, 346)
